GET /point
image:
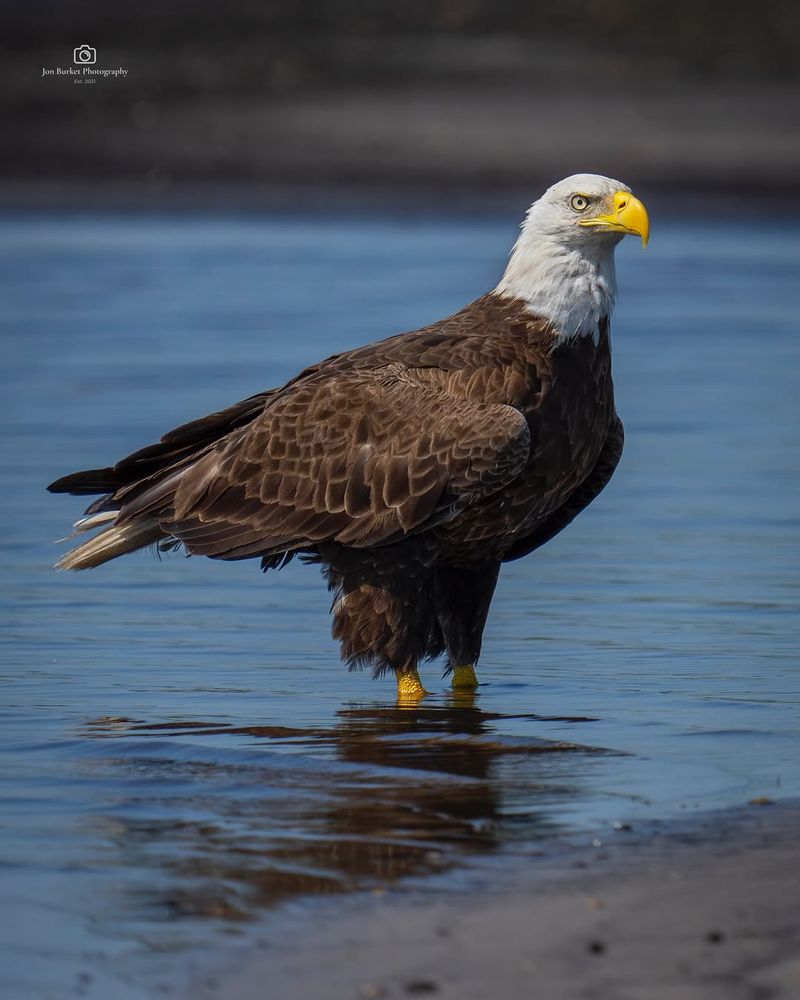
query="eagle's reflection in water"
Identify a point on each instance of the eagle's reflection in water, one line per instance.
(386, 794)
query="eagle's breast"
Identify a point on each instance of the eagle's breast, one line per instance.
(566, 394)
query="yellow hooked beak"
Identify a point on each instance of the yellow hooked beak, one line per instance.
(628, 216)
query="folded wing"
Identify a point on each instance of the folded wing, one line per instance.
(360, 458)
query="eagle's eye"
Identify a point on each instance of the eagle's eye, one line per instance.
(579, 202)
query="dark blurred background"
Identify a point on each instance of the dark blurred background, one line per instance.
(241, 98)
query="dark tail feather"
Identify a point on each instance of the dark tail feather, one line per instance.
(87, 483)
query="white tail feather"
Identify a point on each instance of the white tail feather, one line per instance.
(113, 541)
(94, 520)
(89, 523)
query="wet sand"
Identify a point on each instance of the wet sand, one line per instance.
(704, 909)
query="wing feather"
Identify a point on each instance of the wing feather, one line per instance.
(359, 457)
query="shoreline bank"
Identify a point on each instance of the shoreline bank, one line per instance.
(697, 910)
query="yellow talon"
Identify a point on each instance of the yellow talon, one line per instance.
(409, 686)
(465, 678)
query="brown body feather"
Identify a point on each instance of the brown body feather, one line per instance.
(410, 468)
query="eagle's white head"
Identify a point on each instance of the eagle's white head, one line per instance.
(562, 265)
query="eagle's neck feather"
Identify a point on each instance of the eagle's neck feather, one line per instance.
(573, 287)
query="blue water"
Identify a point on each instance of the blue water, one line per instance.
(181, 750)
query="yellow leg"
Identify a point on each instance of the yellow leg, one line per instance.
(409, 686)
(465, 678)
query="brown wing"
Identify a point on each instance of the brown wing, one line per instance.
(358, 456)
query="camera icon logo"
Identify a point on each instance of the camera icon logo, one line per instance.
(84, 55)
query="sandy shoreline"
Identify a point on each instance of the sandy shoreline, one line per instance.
(696, 910)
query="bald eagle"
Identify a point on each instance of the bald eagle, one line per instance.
(413, 468)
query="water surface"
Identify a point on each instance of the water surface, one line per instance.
(181, 751)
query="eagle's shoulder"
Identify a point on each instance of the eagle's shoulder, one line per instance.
(493, 350)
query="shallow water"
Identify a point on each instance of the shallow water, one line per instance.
(181, 750)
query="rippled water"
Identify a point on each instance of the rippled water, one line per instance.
(180, 748)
